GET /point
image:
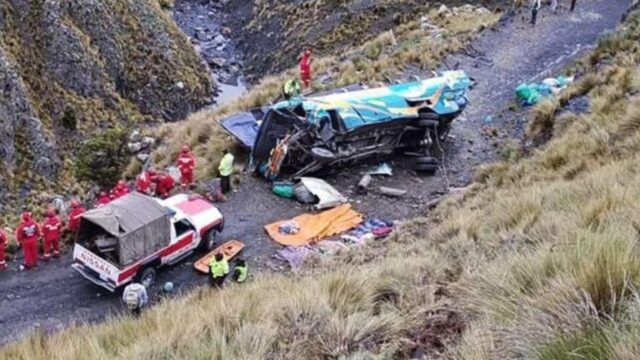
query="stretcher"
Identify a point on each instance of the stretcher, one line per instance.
(230, 249)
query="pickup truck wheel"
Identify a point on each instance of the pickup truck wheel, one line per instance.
(147, 277)
(209, 240)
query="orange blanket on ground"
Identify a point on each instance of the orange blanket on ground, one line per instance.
(314, 228)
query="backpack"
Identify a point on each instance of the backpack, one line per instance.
(131, 299)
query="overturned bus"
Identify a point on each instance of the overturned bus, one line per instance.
(327, 132)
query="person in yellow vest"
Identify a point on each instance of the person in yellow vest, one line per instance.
(240, 272)
(219, 269)
(291, 89)
(226, 169)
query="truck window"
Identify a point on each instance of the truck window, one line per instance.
(182, 227)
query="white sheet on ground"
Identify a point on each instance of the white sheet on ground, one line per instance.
(327, 195)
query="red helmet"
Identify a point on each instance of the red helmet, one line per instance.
(103, 194)
(26, 216)
(50, 213)
(151, 171)
(75, 203)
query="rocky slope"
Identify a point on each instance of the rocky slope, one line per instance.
(272, 33)
(69, 68)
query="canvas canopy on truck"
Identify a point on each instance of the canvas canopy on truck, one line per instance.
(139, 224)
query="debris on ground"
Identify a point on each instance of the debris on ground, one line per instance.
(303, 195)
(331, 247)
(213, 191)
(531, 94)
(316, 227)
(295, 255)
(382, 169)
(364, 183)
(327, 196)
(364, 233)
(377, 227)
(392, 192)
(289, 228)
(283, 189)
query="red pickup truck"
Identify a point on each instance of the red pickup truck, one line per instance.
(131, 237)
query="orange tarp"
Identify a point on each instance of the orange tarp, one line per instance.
(229, 249)
(315, 227)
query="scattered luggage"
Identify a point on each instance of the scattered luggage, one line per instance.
(283, 190)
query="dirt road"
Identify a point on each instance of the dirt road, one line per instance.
(53, 296)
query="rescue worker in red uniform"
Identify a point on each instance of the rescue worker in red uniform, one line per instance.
(186, 163)
(4, 239)
(121, 189)
(103, 199)
(305, 68)
(27, 234)
(51, 231)
(74, 216)
(164, 185)
(143, 183)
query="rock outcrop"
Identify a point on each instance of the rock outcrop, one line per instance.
(69, 68)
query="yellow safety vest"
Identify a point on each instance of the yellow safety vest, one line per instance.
(219, 268)
(242, 273)
(226, 165)
(292, 88)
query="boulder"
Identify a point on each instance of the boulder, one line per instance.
(148, 141)
(134, 147)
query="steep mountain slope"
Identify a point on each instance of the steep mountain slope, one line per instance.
(272, 33)
(69, 68)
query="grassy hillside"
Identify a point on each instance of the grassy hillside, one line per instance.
(538, 258)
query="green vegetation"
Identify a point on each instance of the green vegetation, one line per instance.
(102, 157)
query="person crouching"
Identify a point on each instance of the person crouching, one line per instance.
(135, 298)
(219, 269)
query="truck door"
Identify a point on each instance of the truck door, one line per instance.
(184, 237)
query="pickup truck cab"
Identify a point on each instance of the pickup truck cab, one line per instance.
(131, 237)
